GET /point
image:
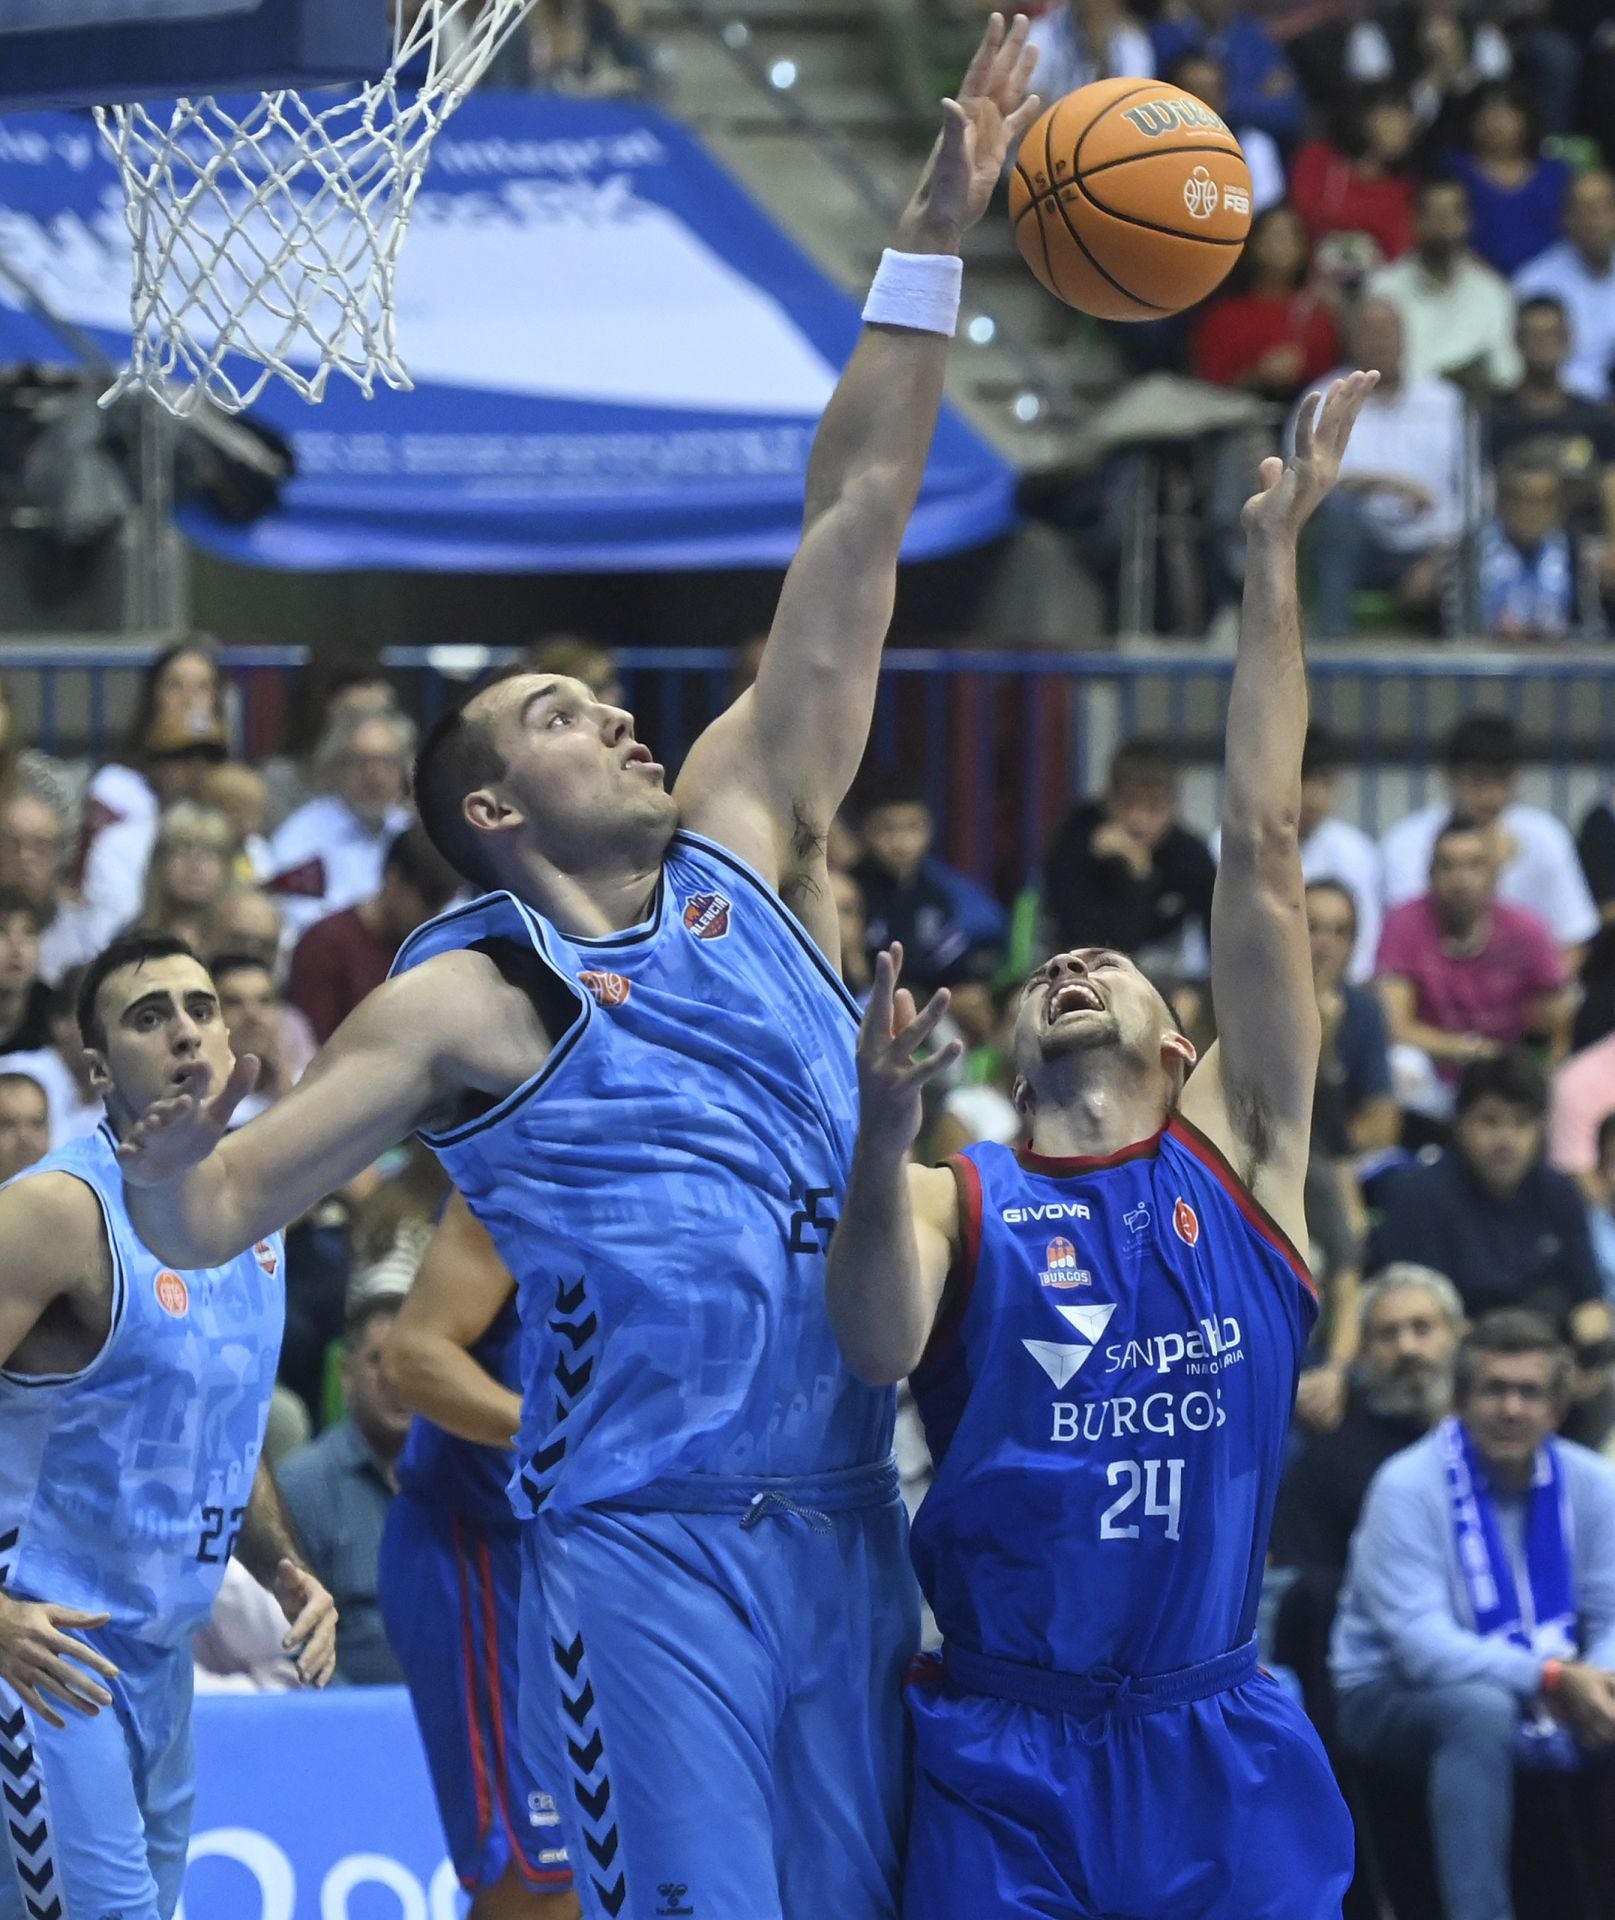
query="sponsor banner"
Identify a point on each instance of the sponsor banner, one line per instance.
(619, 359)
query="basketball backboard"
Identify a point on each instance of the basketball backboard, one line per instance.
(80, 53)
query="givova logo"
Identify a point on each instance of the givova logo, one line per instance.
(1061, 1359)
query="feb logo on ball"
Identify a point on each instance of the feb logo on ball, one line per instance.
(707, 915)
(173, 1296)
(1186, 1223)
(609, 989)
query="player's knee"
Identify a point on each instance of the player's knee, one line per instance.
(1477, 1711)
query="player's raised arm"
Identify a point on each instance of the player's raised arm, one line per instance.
(1253, 1094)
(199, 1195)
(768, 775)
(456, 1296)
(894, 1242)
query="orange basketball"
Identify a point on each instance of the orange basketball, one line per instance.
(1130, 199)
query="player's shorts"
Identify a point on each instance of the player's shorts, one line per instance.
(716, 1684)
(97, 1815)
(448, 1590)
(1197, 1795)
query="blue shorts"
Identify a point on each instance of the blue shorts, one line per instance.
(448, 1591)
(97, 1815)
(1217, 1807)
(719, 1694)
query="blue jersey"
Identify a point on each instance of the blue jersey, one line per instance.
(123, 1486)
(664, 1189)
(458, 1476)
(1108, 1407)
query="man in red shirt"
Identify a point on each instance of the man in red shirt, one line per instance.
(1463, 975)
(347, 955)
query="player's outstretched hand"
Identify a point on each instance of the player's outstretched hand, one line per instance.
(890, 1078)
(182, 1130)
(980, 130)
(1291, 489)
(312, 1612)
(36, 1658)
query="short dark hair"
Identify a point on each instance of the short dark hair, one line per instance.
(1143, 762)
(1517, 97)
(1327, 884)
(366, 1308)
(9, 1080)
(1484, 740)
(1544, 303)
(130, 950)
(456, 757)
(13, 901)
(1440, 182)
(1510, 1330)
(890, 787)
(1513, 1076)
(222, 965)
(417, 862)
(1452, 826)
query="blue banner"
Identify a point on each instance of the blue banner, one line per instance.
(315, 1806)
(619, 359)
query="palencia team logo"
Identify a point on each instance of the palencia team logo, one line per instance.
(707, 915)
(1060, 1267)
(265, 1255)
(609, 989)
(173, 1296)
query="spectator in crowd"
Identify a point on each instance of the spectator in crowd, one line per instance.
(60, 1066)
(1355, 1110)
(1530, 564)
(1463, 976)
(1538, 867)
(24, 1123)
(1204, 76)
(854, 926)
(1078, 41)
(1599, 1187)
(1516, 193)
(33, 861)
(1123, 871)
(1457, 313)
(1491, 1214)
(1438, 51)
(1360, 181)
(241, 1646)
(348, 954)
(1579, 272)
(24, 997)
(570, 657)
(176, 762)
(189, 874)
(1544, 422)
(942, 918)
(1477, 1627)
(249, 1004)
(248, 921)
(321, 701)
(1271, 333)
(329, 854)
(1262, 89)
(1393, 520)
(1583, 1096)
(338, 1488)
(1411, 1319)
(25, 768)
(241, 794)
(977, 1101)
(1334, 849)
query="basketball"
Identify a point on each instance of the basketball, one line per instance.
(1130, 200)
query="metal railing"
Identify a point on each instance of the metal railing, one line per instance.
(999, 742)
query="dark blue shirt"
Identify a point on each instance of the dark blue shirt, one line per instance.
(1513, 224)
(1262, 90)
(1531, 1250)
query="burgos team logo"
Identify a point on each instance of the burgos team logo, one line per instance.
(173, 1296)
(610, 989)
(1186, 1223)
(1060, 1359)
(707, 915)
(1200, 194)
(1060, 1267)
(265, 1255)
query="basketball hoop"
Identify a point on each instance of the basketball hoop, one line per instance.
(270, 230)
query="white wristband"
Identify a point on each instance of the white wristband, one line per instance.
(918, 290)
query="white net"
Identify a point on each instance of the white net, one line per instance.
(267, 233)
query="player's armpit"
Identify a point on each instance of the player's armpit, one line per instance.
(53, 1249)
(1268, 1151)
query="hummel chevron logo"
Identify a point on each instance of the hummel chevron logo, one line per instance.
(604, 1851)
(592, 1803)
(1060, 1360)
(571, 1381)
(576, 1331)
(586, 1759)
(611, 1898)
(26, 1802)
(13, 1727)
(570, 1658)
(569, 1299)
(29, 1842)
(579, 1708)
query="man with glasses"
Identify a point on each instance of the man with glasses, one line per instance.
(1476, 1632)
(330, 853)
(33, 861)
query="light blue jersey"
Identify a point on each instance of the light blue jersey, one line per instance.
(123, 1485)
(664, 1189)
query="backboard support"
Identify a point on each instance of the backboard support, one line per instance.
(183, 47)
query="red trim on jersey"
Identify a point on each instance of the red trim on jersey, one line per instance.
(1211, 1158)
(537, 1877)
(479, 1760)
(1060, 1167)
(961, 1278)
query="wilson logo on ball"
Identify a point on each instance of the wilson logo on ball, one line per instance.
(707, 915)
(1156, 117)
(609, 989)
(1200, 194)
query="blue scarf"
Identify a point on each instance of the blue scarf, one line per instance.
(1541, 1617)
